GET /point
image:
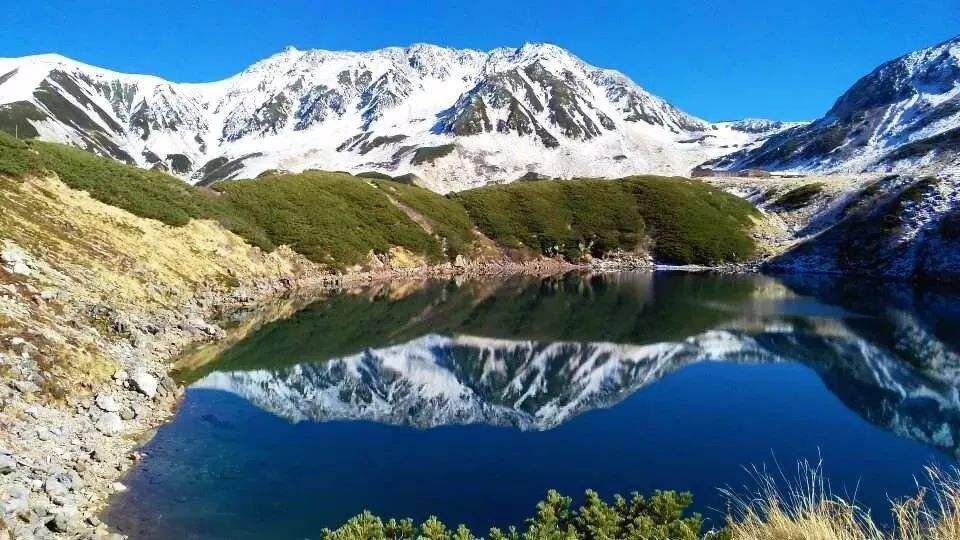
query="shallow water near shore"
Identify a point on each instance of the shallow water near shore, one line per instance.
(469, 399)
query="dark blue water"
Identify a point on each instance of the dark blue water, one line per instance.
(470, 401)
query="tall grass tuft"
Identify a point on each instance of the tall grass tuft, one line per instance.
(808, 510)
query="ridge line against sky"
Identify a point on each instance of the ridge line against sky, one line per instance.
(715, 60)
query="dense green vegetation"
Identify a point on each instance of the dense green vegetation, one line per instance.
(662, 516)
(15, 157)
(338, 219)
(332, 218)
(445, 216)
(556, 217)
(687, 221)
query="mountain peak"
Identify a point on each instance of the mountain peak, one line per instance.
(902, 116)
(457, 118)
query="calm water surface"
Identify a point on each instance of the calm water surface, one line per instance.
(471, 399)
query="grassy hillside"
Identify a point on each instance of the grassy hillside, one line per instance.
(333, 218)
(685, 221)
(445, 217)
(338, 219)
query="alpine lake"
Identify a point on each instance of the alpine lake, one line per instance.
(468, 399)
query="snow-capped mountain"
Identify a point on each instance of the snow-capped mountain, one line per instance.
(903, 116)
(531, 385)
(456, 118)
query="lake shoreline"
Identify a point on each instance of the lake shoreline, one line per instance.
(390, 385)
(62, 460)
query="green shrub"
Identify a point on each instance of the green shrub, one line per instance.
(662, 516)
(799, 197)
(447, 218)
(16, 159)
(688, 221)
(691, 222)
(332, 218)
(568, 218)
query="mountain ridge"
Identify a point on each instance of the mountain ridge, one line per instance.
(478, 116)
(902, 116)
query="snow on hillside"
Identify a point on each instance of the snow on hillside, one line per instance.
(456, 118)
(902, 117)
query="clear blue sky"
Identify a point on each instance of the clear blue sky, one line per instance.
(715, 59)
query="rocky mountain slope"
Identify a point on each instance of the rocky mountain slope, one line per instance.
(456, 118)
(896, 226)
(903, 116)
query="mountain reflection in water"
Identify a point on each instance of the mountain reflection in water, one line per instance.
(533, 353)
(469, 399)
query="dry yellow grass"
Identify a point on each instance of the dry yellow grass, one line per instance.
(85, 253)
(809, 511)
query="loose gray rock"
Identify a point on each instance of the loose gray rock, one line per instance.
(66, 520)
(17, 500)
(57, 485)
(107, 403)
(144, 383)
(169, 384)
(110, 424)
(141, 411)
(15, 260)
(7, 464)
(25, 387)
(128, 413)
(44, 434)
(98, 455)
(64, 500)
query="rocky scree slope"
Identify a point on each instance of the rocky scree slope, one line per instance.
(902, 117)
(456, 118)
(93, 301)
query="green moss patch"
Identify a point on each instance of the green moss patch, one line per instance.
(799, 197)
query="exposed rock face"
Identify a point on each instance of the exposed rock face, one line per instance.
(903, 116)
(507, 111)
